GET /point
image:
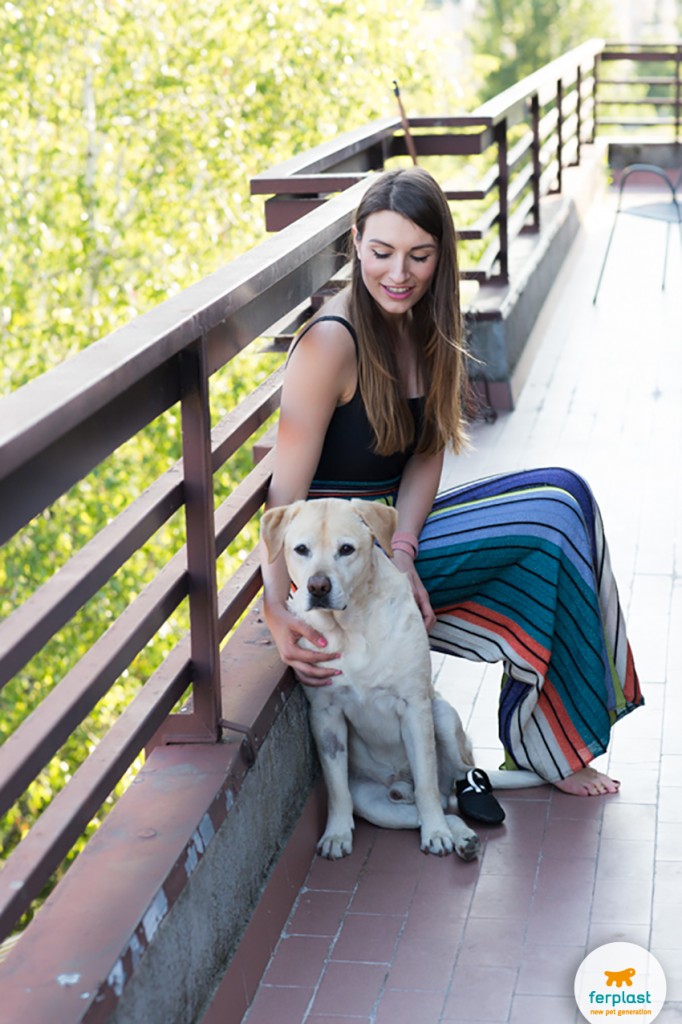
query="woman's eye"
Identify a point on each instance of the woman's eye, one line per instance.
(346, 549)
(381, 255)
(302, 549)
(420, 259)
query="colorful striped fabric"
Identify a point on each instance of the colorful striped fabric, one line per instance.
(517, 570)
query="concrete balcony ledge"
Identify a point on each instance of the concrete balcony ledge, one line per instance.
(148, 917)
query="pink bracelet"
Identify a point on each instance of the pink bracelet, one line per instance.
(406, 542)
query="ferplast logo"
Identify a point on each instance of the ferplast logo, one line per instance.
(620, 980)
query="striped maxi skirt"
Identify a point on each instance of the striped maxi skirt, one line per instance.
(517, 571)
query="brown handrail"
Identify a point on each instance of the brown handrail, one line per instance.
(555, 105)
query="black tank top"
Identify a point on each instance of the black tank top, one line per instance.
(348, 466)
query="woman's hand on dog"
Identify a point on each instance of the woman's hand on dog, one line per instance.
(310, 667)
(405, 563)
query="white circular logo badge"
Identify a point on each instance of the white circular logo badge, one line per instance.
(620, 981)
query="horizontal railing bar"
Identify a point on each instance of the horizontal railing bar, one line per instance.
(27, 629)
(639, 55)
(638, 122)
(243, 588)
(661, 80)
(330, 155)
(485, 186)
(640, 101)
(26, 752)
(305, 184)
(55, 459)
(549, 177)
(520, 149)
(237, 426)
(50, 406)
(512, 102)
(62, 823)
(519, 217)
(519, 184)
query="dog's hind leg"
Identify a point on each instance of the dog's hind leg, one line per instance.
(373, 803)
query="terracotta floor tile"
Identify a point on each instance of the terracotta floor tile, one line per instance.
(669, 845)
(544, 1010)
(409, 1007)
(500, 860)
(601, 933)
(492, 942)
(424, 963)
(355, 987)
(497, 896)
(451, 901)
(565, 877)
(480, 993)
(284, 1005)
(571, 837)
(616, 903)
(325, 1018)
(298, 960)
(318, 913)
(670, 804)
(620, 858)
(561, 922)
(384, 892)
(549, 970)
(368, 938)
(628, 821)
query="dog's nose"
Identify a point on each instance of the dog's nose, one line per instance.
(319, 586)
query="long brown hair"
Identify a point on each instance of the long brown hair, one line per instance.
(437, 325)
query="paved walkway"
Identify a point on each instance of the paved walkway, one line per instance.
(389, 936)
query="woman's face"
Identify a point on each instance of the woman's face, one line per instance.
(397, 259)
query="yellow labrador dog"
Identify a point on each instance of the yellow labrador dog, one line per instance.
(390, 747)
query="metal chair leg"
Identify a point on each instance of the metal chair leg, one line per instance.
(606, 256)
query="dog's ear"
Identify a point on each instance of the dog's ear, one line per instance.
(380, 519)
(273, 526)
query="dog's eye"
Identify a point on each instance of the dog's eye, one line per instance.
(302, 549)
(346, 549)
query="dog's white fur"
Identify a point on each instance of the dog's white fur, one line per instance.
(390, 747)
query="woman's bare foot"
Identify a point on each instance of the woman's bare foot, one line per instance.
(588, 782)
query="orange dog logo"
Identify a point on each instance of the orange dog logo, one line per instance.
(618, 977)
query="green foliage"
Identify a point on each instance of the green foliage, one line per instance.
(512, 38)
(128, 132)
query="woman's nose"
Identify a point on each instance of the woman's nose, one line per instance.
(399, 268)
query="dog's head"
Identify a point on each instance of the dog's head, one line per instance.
(328, 545)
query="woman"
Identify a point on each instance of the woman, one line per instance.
(513, 568)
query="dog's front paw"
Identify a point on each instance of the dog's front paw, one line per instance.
(438, 842)
(335, 845)
(468, 847)
(466, 842)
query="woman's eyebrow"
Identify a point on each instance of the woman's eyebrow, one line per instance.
(422, 245)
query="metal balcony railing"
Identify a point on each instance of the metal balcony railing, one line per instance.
(60, 427)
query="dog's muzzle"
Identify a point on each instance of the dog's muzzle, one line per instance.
(319, 590)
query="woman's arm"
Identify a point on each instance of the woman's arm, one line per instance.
(418, 487)
(320, 374)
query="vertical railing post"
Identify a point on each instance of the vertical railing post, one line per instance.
(560, 135)
(678, 91)
(537, 166)
(579, 114)
(503, 190)
(203, 722)
(595, 85)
